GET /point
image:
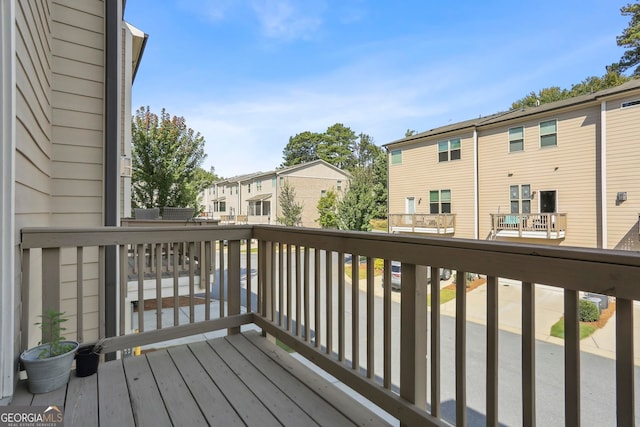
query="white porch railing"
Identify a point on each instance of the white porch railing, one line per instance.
(423, 223)
(304, 300)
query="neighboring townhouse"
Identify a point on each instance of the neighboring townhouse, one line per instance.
(254, 198)
(563, 173)
(67, 67)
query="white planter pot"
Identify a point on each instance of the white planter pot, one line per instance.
(47, 374)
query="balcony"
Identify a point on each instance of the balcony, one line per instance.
(388, 347)
(550, 226)
(443, 224)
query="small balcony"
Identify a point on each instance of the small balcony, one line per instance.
(550, 226)
(410, 361)
(441, 224)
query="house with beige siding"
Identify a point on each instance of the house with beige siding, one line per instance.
(67, 68)
(254, 198)
(563, 173)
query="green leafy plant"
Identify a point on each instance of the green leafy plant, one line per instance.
(52, 328)
(588, 311)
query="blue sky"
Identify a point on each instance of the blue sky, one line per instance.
(249, 74)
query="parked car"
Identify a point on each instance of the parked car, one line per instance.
(396, 274)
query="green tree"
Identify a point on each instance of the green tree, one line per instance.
(630, 39)
(337, 146)
(291, 210)
(333, 146)
(358, 205)
(166, 159)
(328, 210)
(302, 148)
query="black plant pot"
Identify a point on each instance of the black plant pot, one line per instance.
(86, 362)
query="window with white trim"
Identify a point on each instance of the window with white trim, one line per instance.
(439, 201)
(449, 150)
(520, 198)
(516, 139)
(549, 133)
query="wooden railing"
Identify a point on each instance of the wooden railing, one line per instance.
(422, 223)
(305, 299)
(541, 225)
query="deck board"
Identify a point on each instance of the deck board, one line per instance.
(114, 406)
(213, 404)
(240, 380)
(319, 410)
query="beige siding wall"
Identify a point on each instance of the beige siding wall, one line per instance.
(568, 168)
(78, 115)
(623, 173)
(308, 192)
(420, 172)
(33, 167)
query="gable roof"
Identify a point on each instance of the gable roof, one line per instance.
(282, 171)
(519, 113)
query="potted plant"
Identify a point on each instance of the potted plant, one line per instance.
(48, 365)
(87, 359)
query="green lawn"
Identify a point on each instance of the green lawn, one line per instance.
(557, 330)
(446, 295)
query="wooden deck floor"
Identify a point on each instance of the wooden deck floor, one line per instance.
(240, 380)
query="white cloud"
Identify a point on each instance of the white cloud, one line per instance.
(287, 19)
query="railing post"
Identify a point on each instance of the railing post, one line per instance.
(413, 337)
(264, 278)
(233, 283)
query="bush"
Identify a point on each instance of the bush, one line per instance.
(588, 311)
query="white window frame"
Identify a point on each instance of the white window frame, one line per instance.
(449, 150)
(554, 133)
(515, 140)
(396, 157)
(630, 104)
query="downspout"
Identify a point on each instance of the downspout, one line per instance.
(9, 239)
(476, 203)
(388, 203)
(111, 144)
(603, 176)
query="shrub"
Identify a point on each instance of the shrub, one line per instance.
(588, 311)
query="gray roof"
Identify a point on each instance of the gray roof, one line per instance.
(520, 112)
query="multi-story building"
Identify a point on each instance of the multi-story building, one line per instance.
(563, 173)
(254, 198)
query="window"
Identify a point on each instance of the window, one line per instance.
(630, 103)
(449, 150)
(520, 198)
(249, 188)
(258, 185)
(281, 181)
(439, 201)
(548, 133)
(339, 185)
(516, 139)
(259, 208)
(273, 182)
(396, 157)
(323, 193)
(219, 206)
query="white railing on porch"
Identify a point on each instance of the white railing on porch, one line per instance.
(303, 300)
(422, 223)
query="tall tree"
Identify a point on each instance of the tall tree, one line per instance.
(337, 146)
(291, 210)
(630, 39)
(166, 159)
(301, 148)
